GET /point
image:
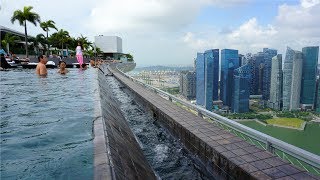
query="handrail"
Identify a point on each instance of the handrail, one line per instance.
(301, 154)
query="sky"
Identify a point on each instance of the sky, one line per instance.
(171, 32)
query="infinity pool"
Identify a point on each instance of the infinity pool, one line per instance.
(166, 155)
(46, 124)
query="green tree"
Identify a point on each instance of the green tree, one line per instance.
(8, 40)
(98, 51)
(39, 40)
(85, 42)
(129, 57)
(63, 36)
(22, 17)
(46, 26)
(59, 39)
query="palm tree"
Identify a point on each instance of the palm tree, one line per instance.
(39, 40)
(85, 42)
(9, 40)
(46, 26)
(24, 16)
(63, 37)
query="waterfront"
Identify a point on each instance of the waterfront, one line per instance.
(46, 124)
(305, 139)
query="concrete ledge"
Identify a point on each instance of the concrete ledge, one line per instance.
(102, 164)
(220, 150)
(117, 153)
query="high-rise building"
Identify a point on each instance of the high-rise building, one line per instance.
(287, 78)
(317, 102)
(212, 72)
(242, 60)
(268, 54)
(275, 101)
(309, 74)
(200, 65)
(241, 90)
(256, 63)
(208, 80)
(292, 72)
(229, 62)
(188, 84)
(207, 72)
(296, 81)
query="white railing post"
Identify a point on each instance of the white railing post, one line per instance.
(269, 147)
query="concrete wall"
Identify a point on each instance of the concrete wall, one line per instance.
(125, 159)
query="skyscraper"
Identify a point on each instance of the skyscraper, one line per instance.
(188, 84)
(212, 71)
(317, 103)
(309, 73)
(296, 81)
(287, 78)
(256, 63)
(207, 77)
(200, 65)
(276, 83)
(292, 73)
(268, 54)
(229, 62)
(241, 90)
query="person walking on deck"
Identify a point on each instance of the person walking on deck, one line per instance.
(79, 54)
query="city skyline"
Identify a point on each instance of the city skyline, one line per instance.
(175, 31)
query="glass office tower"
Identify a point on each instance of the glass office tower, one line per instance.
(241, 90)
(200, 65)
(309, 75)
(287, 78)
(229, 62)
(268, 54)
(275, 101)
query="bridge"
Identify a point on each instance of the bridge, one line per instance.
(223, 147)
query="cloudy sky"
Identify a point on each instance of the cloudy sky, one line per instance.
(171, 32)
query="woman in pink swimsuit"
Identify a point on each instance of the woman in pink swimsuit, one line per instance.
(79, 54)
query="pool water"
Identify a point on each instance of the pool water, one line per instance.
(46, 124)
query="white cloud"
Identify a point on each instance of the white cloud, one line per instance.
(163, 32)
(149, 28)
(299, 26)
(228, 3)
(309, 3)
(295, 25)
(142, 15)
(249, 37)
(67, 15)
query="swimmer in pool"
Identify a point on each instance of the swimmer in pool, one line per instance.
(41, 68)
(63, 69)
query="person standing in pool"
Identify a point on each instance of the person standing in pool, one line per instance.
(79, 55)
(41, 68)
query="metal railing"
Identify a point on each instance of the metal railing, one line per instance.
(271, 144)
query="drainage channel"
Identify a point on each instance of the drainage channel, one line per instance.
(165, 154)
